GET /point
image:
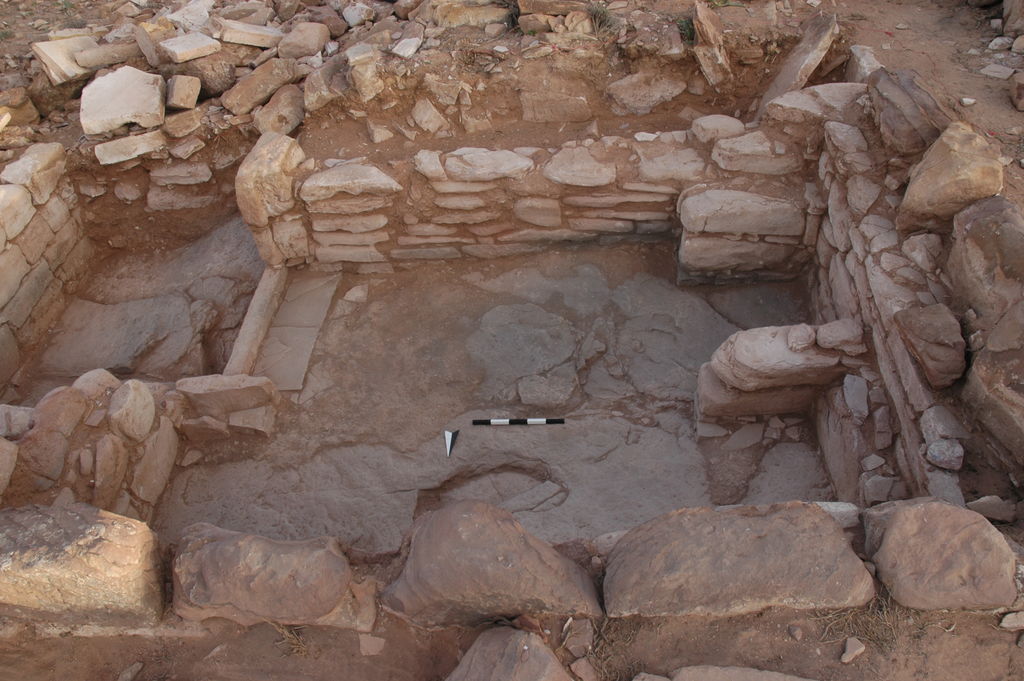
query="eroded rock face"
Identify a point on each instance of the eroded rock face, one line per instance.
(78, 564)
(749, 558)
(470, 562)
(959, 169)
(506, 654)
(933, 555)
(250, 579)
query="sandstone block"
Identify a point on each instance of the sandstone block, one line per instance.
(957, 170)
(348, 178)
(57, 58)
(283, 113)
(16, 211)
(183, 92)
(792, 555)
(107, 55)
(125, 148)
(17, 103)
(755, 153)
(8, 460)
(159, 452)
(132, 410)
(304, 40)
(470, 561)
(263, 184)
(241, 33)
(933, 336)
(708, 254)
(500, 654)
(708, 673)
(78, 564)
(934, 555)
(710, 129)
(716, 398)
(482, 165)
(126, 95)
(576, 166)
(759, 358)
(188, 47)
(218, 395)
(737, 212)
(251, 579)
(907, 115)
(39, 169)
(817, 34)
(257, 87)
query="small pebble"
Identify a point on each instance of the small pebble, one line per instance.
(796, 632)
(854, 649)
(968, 101)
(902, 27)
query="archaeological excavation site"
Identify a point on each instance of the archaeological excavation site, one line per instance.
(511, 340)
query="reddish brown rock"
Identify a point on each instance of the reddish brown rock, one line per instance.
(702, 561)
(78, 564)
(470, 562)
(251, 579)
(506, 654)
(933, 336)
(933, 555)
(908, 117)
(257, 87)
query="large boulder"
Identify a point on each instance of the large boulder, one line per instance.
(469, 562)
(771, 357)
(78, 564)
(250, 579)
(505, 654)
(960, 168)
(932, 555)
(703, 561)
(263, 184)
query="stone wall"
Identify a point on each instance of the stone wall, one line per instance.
(114, 444)
(43, 251)
(890, 422)
(493, 202)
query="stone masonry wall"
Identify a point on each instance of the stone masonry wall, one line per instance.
(493, 202)
(43, 251)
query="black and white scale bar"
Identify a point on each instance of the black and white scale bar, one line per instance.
(517, 422)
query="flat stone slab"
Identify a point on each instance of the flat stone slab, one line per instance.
(58, 58)
(78, 564)
(127, 95)
(732, 562)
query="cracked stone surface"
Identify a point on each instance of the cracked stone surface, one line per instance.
(600, 336)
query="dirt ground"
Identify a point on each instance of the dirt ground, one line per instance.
(902, 646)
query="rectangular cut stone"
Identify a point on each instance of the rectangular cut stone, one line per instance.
(332, 254)
(349, 223)
(434, 253)
(38, 169)
(600, 225)
(188, 47)
(241, 33)
(608, 200)
(183, 92)
(79, 565)
(655, 571)
(462, 187)
(57, 58)
(216, 395)
(126, 95)
(126, 148)
(737, 212)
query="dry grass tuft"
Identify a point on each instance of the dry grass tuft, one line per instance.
(605, 23)
(611, 657)
(882, 623)
(291, 639)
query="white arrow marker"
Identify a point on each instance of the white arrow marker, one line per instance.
(449, 440)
